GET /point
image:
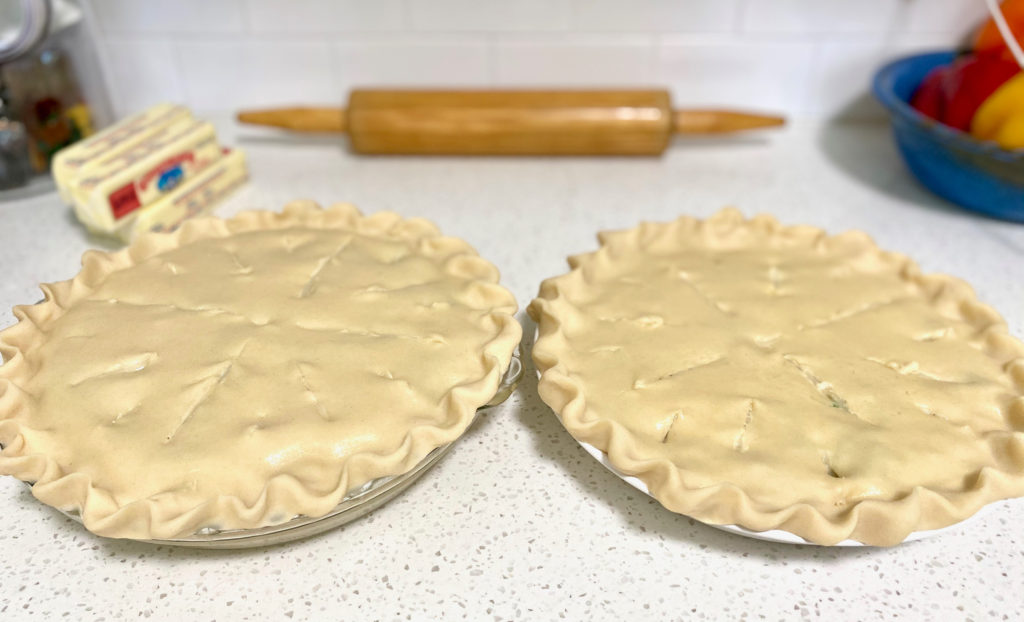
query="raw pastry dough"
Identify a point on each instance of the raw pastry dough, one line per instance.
(775, 377)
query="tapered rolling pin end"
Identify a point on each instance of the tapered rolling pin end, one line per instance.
(722, 121)
(297, 119)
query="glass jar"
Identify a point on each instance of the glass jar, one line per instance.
(44, 95)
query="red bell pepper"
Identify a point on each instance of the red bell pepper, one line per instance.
(953, 94)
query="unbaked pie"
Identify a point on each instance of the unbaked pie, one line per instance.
(239, 373)
(778, 378)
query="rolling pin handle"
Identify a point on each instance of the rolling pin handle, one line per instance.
(720, 121)
(302, 119)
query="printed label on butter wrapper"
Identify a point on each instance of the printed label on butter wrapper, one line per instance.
(193, 197)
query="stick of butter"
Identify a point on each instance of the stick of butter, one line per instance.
(131, 178)
(76, 160)
(195, 196)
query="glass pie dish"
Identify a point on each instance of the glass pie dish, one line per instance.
(357, 503)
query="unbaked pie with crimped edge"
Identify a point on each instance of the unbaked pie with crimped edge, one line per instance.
(778, 378)
(239, 373)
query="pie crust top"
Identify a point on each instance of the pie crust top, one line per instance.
(239, 373)
(775, 377)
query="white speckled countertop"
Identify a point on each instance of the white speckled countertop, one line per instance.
(517, 522)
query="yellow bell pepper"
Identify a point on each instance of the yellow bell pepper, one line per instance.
(1000, 117)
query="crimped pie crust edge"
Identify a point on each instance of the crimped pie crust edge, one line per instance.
(146, 519)
(873, 522)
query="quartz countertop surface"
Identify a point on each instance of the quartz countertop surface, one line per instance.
(517, 521)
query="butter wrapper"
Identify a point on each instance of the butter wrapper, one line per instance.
(76, 160)
(198, 195)
(132, 178)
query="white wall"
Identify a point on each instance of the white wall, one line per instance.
(801, 57)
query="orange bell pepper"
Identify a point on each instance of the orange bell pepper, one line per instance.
(989, 41)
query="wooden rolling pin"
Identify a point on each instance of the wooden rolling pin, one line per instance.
(509, 122)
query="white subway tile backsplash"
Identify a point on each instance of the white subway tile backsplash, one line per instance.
(181, 16)
(574, 61)
(489, 15)
(223, 75)
(760, 75)
(801, 57)
(325, 16)
(654, 15)
(140, 73)
(820, 16)
(840, 83)
(949, 16)
(422, 62)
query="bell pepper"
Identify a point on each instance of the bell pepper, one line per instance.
(952, 94)
(928, 99)
(969, 82)
(1000, 118)
(990, 41)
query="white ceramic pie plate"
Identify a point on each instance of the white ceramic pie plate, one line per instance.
(773, 535)
(357, 503)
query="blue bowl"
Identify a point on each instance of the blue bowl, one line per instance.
(973, 174)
